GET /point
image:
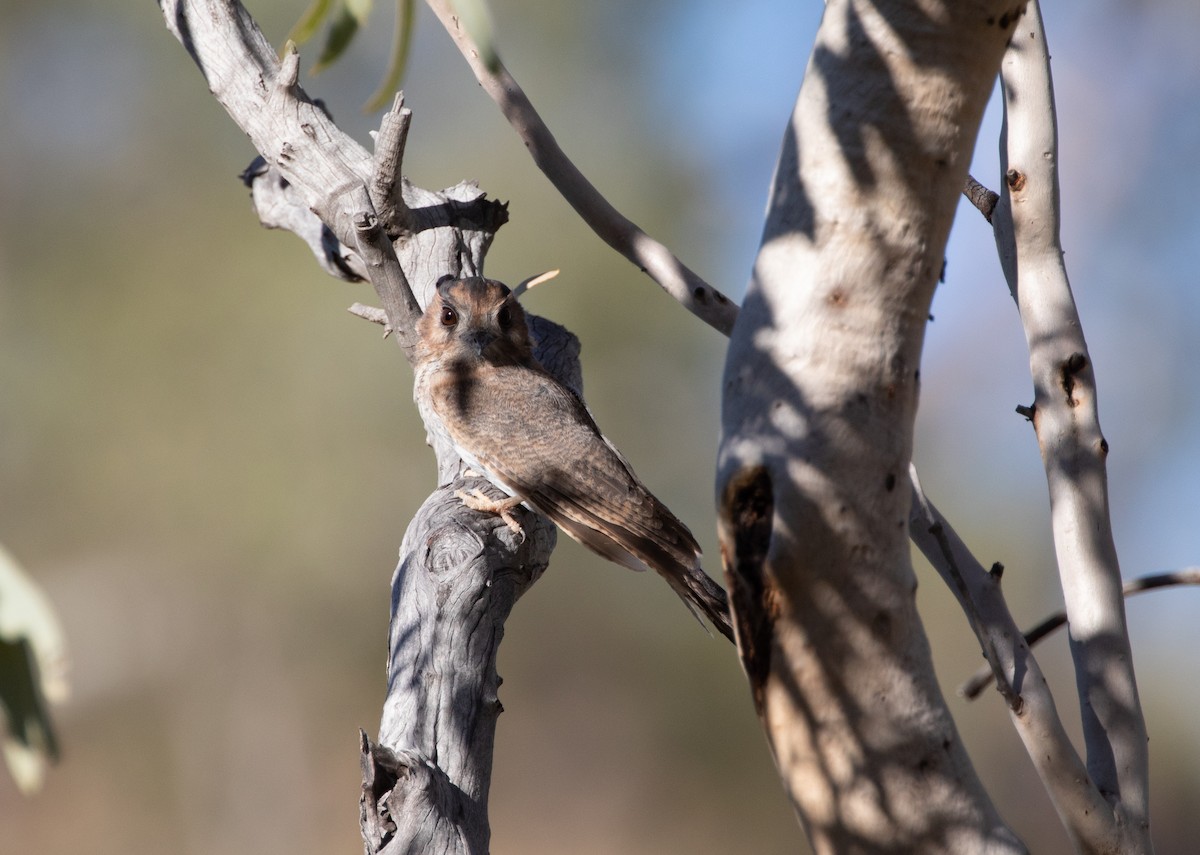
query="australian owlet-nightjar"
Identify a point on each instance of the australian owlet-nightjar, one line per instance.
(534, 439)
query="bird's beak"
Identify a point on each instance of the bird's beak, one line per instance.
(479, 341)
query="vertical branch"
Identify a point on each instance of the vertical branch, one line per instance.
(387, 182)
(425, 784)
(1064, 415)
(820, 395)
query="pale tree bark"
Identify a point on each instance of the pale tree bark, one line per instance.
(820, 395)
(1065, 417)
(1085, 815)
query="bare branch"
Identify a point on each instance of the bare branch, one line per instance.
(650, 256)
(279, 205)
(1030, 703)
(981, 679)
(924, 523)
(386, 275)
(319, 182)
(387, 188)
(1064, 416)
(370, 313)
(459, 575)
(426, 784)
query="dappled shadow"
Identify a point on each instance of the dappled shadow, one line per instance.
(855, 682)
(825, 592)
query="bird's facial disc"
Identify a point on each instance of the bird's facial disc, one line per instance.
(479, 318)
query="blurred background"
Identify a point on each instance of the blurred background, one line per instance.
(209, 465)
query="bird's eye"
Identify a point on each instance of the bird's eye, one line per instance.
(449, 316)
(504, 317)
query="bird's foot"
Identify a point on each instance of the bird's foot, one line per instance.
(477, 501)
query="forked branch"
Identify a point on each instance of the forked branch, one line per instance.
(425, 784)
(982, 678)
(1027, 694)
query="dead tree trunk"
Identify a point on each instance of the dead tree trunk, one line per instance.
(425, 783)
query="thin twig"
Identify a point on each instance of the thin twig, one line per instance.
(650, 256)
(534, 281)
(1031, 705)
(373, 314)
(949, 567)
(981, 679)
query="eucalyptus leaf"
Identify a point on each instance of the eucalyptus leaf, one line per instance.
(398, 61)
(341, 33)
(313, 16)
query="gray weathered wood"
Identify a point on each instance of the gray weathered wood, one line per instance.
(458, 577)
(425, 783)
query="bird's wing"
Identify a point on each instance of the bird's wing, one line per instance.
(537, 438)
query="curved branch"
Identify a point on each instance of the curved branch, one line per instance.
(650, 256)
(981, 679)
(1073, 449)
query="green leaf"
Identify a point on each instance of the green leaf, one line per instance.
(33, 665)
(360, 9)
(477, 19)
(401, 42)
(306, 27)
(341, 32)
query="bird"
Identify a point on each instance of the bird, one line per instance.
(535, 439)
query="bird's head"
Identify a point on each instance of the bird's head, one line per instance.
(472, 320)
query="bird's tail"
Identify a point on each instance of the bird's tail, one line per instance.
(702, 596)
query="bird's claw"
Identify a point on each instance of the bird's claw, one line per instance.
(477, 501)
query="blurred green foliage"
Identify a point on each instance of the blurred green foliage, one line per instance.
(209, 464)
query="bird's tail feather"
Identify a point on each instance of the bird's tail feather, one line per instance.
(703, 597)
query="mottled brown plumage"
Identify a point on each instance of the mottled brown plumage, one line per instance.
(533, 438)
